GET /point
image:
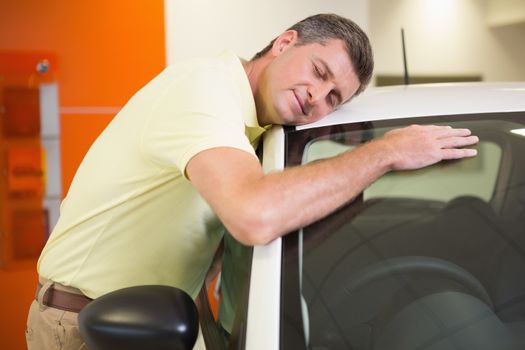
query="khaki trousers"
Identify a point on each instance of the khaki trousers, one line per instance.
(50, 328)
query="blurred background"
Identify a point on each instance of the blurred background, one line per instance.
(67, 67)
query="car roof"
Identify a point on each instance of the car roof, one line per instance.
(406, 101)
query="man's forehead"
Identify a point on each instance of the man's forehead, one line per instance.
(333, 53)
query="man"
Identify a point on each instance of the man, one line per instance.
(149, 200)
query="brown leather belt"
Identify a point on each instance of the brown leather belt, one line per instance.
(63, 300)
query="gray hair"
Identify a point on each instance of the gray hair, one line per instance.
(324, 27)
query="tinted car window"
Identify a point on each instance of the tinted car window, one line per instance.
(426, 259)
(235, 281)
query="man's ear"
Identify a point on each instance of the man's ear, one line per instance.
(284, 41)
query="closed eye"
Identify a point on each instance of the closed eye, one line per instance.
(318, 72)
(332, 99)
(335, 98)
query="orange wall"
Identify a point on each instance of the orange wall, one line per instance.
(106, 50)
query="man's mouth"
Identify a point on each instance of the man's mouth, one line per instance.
(299, 102)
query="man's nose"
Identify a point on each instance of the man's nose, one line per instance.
(318, 92)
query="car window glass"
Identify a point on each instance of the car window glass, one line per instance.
(475, 176)
(426, 259)
(235, 276)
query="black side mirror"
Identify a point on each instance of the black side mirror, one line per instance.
(139, 318)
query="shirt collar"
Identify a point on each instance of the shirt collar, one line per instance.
(252, 128)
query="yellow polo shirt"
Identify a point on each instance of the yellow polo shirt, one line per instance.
(131, 217)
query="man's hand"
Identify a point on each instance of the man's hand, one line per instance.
(418, 146)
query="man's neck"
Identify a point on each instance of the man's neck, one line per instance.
(254, 70)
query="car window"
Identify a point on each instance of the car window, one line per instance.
(235, 276)
(475, 176)
(426, 259)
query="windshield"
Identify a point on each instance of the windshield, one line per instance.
(426, 259)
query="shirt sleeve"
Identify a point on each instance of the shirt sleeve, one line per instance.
(198, 110)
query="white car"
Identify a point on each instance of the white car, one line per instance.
(428, 259)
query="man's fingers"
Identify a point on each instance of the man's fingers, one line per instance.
(419, 146)
(458, 153)
(457, 141)
(447, 131)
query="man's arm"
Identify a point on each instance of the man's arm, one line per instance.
(257, 208)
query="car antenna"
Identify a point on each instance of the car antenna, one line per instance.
(407, 78)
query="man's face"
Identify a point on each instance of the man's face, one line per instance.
(304, 83)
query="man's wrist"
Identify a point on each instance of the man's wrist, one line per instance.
(381, 154)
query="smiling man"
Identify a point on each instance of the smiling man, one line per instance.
(150, 200)
(298, 84)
